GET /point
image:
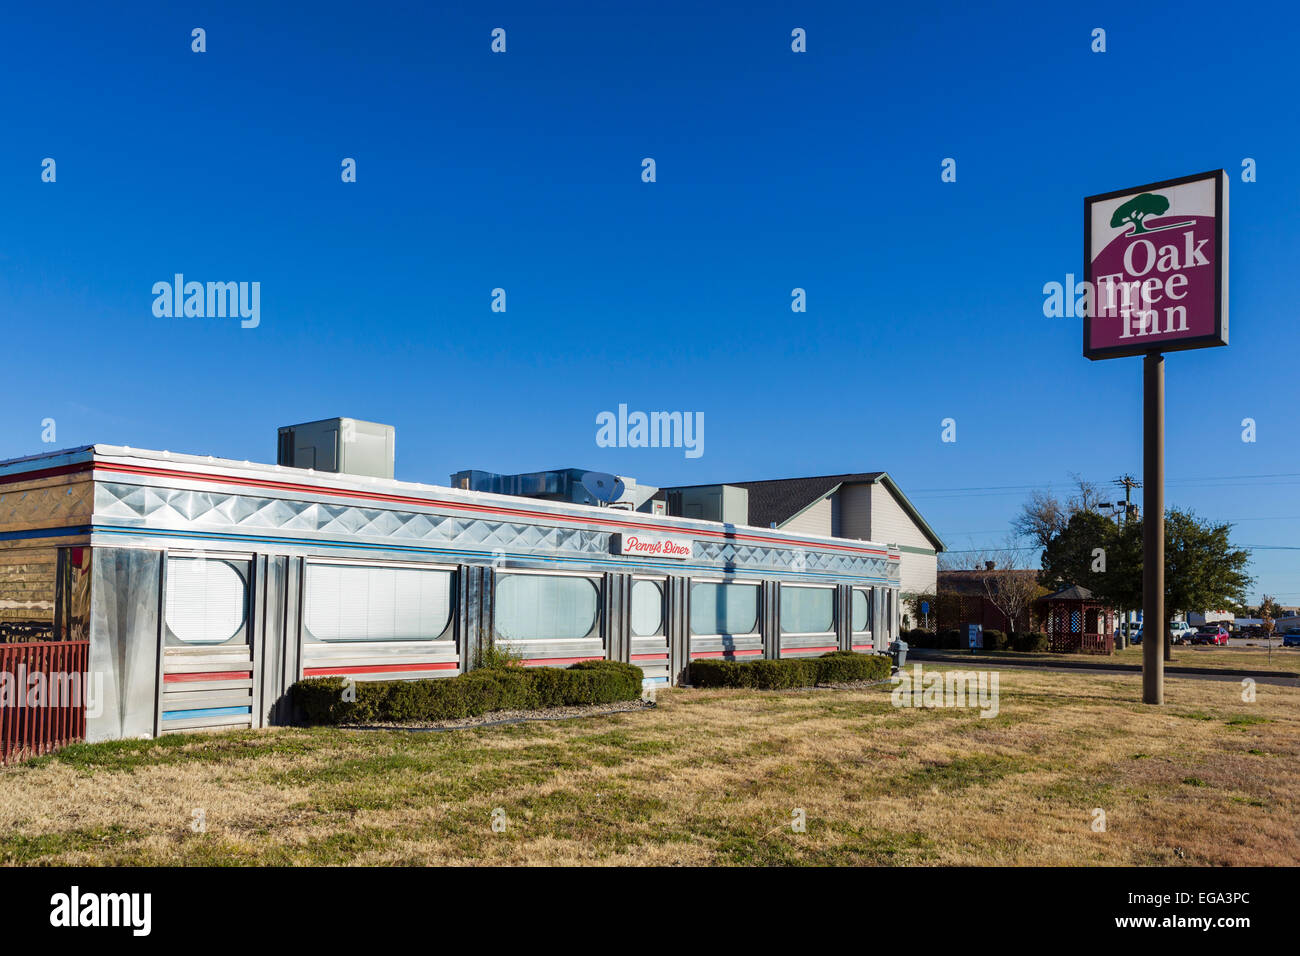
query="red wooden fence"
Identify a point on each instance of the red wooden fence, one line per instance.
(37, 716)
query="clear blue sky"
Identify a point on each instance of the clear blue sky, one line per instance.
(775, 170)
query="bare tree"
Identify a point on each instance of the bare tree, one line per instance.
(1087, 495)
(1008, 583)
(1041, 518)
(1268, 614)
(1044, 515)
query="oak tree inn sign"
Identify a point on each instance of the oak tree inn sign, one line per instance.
(1156, 267)
(1155, 262)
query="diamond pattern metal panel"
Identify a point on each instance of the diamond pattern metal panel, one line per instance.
(175, 509)
(180, 510)
(759, 557)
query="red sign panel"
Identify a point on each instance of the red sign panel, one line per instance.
(1156, 267)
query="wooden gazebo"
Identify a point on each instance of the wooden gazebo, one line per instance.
(1077, 622)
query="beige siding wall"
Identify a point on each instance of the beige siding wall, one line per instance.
(890, 524)
(870, 513)
(815, 520)
(920, 573)
(855, 511)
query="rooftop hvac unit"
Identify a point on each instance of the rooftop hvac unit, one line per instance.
(344, 445)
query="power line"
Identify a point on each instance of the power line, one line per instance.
(1202, 481)
(1034, 547)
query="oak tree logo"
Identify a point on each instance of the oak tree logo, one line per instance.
(1137, 209)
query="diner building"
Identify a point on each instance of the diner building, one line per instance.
(206, 587)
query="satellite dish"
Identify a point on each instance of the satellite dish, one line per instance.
(604, 488)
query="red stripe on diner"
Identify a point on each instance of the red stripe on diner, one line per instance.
(534, 661)
(207, 675)
(649, 657)
(461, 506)
(45, 473)
(696, 654)
(864, 647)
(378, 668)
(808, 650)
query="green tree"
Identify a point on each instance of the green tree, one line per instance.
(1137, 209)
(1202, 568)
(1083, 552)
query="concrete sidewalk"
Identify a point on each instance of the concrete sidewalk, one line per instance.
(1027, 662)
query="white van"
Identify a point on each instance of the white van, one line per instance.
(1180, 632)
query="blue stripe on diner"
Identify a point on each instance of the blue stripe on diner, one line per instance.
(204, 712)
(613, 561)
(654, 680)
(43, 533)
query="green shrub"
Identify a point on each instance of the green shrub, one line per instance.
(994, 640)
(837, 667)
(495, 656)
(481, 691)
(950, 640)
(842, 667)
(721, 674)
(1035, 641)
(919, 637)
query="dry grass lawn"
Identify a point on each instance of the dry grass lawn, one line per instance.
(709, 777)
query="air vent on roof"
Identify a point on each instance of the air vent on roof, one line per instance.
(344, 445)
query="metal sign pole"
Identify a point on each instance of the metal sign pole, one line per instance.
(1153, 528)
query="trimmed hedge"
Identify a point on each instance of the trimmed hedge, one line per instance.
(920, 637)
(994, 640)
(837, 667)
(480, 691)
(1036, 641)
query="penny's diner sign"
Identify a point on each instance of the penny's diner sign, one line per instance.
(652, 545)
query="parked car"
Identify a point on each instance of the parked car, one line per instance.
(1179, 632)
(1292, 637)
(1210, 634)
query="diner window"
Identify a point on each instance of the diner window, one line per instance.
(807, 610)
(346, 602)
(647, 608)
(539, 607)
(206, 601)
(861, 611)
(28, 587)
(724, 608)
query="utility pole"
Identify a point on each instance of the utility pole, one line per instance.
(1128, 483)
